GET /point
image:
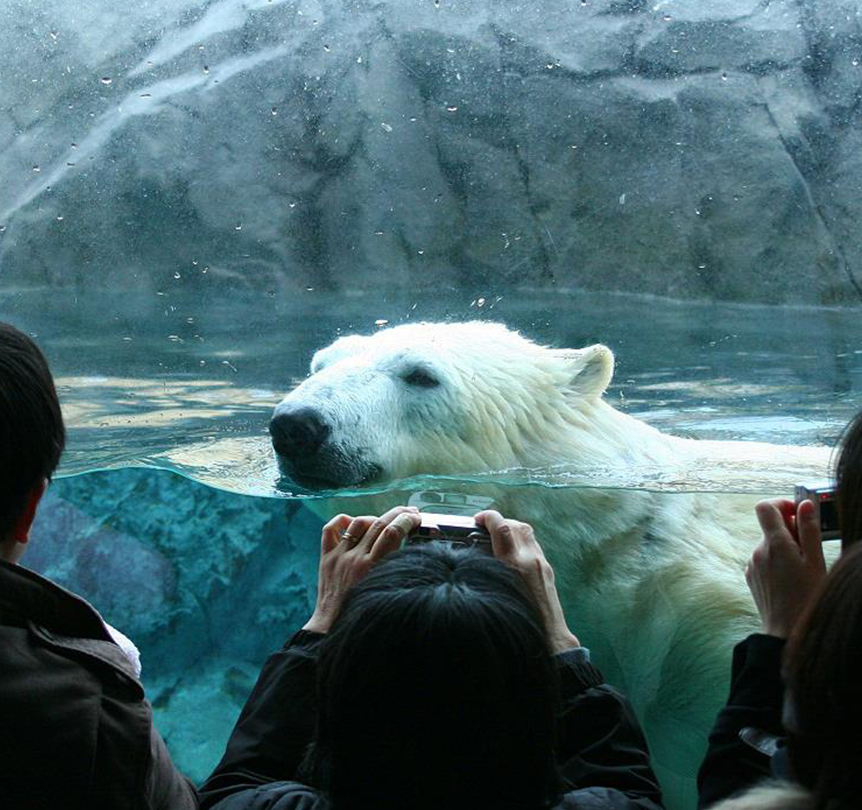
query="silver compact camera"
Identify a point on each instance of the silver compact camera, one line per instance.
(822, 495)
(459, 530)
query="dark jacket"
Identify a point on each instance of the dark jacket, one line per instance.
(746, 742)
(75, 728)
(603, 755)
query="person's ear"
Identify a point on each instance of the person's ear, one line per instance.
(21, 529)
(590, 369)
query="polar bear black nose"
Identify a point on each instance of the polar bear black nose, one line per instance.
(298, 432)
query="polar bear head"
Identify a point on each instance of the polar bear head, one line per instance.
(433, 398)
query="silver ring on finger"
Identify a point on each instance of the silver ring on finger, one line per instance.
(348, 538)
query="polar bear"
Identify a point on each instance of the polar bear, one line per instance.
(652, 582)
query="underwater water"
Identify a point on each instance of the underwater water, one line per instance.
(168, 512)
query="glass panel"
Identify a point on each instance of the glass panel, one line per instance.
(197, 196)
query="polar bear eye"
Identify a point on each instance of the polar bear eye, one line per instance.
(420, 377)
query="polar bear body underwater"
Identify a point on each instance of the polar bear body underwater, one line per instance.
(651, 582)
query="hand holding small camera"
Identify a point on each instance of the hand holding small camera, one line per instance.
(349, 549)
(787, 566)
(514, 543)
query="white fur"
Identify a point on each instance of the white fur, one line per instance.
(652, 582)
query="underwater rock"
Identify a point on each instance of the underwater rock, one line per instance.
(704, 150)
(205, 582)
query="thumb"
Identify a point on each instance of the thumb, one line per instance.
(808, 526)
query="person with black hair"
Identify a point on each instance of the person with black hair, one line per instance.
(75, 728)
(431, 677)
(793, 711)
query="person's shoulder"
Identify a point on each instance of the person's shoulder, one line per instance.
(275, 796)
(769, 796)
(602, 798)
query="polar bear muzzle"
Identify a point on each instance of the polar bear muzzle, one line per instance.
(301, 438)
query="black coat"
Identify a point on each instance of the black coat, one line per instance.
(746, 742)
(75, 728)
(603, 755)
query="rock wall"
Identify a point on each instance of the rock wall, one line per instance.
(677, 147)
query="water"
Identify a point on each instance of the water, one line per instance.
(169, 515)
(187, 383)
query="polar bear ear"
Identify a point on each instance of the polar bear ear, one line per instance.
(590, 369)
(343, 347)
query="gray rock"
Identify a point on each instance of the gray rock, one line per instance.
(695, 150)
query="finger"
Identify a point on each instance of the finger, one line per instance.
(379, 525)
(331, 533)
(503, 541)
(810, 537)
(393, 535)
(771, 521)
(356, 531)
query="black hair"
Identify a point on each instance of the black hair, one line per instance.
(823, 666)
(32, 435)
(849, 482)
(437, 689)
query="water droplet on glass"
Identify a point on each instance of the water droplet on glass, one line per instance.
(177, 275)
(452, 109)
(386, 126)
(37, 168)
(106, 80)
(381, 322)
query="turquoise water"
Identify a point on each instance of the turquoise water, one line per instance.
(169, 514)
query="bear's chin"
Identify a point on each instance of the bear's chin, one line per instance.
(318, 479)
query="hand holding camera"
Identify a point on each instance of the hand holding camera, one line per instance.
(787, 566)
